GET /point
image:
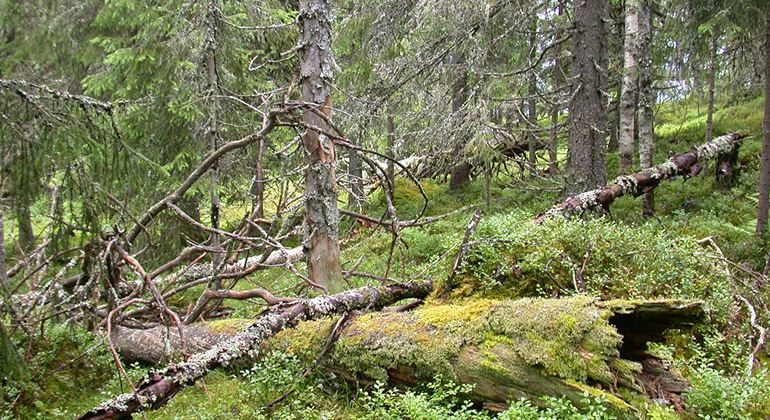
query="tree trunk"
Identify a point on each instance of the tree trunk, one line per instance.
(159, 386)
(3, 264)
(532, 100)
(257, 190)
(24, 220)
(558, 78)
(643, 181)
(586, 163)
(711, 87)
(460, 173)
(630, 85)
(764, 176)
(646, 99)
(355, 173)
(321, 213)
(213, 131)
(507, 349)
(391, 152)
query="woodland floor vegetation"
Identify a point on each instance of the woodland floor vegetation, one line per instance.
(700, 246)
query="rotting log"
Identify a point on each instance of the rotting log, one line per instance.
(159, 386)
(508, 349)
(640, 182)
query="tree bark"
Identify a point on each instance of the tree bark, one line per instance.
(532, 100)
(638, 183)
(460, 173)
(391, 152)
(764, 175)
(586, 163)
(159, 386)
(558, 77)
(630, 85)
(711, 87)
(355, 173)
(213, 131)
(646, 100)
(321, 213)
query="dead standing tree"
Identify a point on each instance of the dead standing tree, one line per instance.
(321, 214)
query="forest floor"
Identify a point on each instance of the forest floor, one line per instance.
(701, 245)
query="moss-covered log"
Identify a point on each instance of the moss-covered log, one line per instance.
(159, 386)
(638, 183)
(508, 349)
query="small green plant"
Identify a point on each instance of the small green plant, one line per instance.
(717, 395)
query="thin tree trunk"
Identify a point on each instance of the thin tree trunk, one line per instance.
(586, 163)
(558, 79)
(321, 213)
(630, 85)
(646, 99)
(391, 152)
(764, 176)
(355, 173)
(213, 130)
(712, 82)
(531, 100)
(3, 264)
(257, 190)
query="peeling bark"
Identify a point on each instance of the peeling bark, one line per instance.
(159, 386)
(638, 183)
(321, 213)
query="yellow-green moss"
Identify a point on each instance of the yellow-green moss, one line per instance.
(229, 325)
(616, 402)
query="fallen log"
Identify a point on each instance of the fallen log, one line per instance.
(508, 349)
(159, 386)
(638, 183)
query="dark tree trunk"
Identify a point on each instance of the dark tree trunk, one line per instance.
(711, 87)
(355, 172)
(321, 213)
(764, 177)
(586, 163)
(460, 173)
(24, 220)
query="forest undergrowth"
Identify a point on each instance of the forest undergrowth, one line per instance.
(701, 245)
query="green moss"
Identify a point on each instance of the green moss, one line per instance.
(616, 402)
(230, 325)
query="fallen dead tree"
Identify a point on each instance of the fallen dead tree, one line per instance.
(638, 183)
(157, 387)
(508, 349)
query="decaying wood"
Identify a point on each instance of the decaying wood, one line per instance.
(159, 386)
(507, 349)
(638, 183)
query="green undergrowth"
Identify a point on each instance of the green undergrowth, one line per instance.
(513, 257)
